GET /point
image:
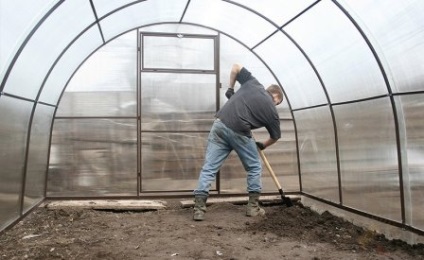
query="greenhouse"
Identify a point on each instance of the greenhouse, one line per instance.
(114, 99)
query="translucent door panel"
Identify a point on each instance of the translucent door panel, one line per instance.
(178, 51)
(171, 161)
(177, 113)
(177, 102)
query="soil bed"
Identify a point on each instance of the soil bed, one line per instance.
(285, 233)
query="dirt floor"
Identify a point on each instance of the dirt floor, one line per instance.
(284, 233)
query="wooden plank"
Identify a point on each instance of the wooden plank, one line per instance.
(107, 204)
(238, 200)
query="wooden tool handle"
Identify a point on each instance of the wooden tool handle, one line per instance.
(268, 166)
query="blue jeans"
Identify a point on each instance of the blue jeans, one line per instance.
(221, 141)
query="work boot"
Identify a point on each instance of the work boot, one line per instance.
(199, 208)
(253, 208)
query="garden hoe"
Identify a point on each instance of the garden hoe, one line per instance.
(286, 200)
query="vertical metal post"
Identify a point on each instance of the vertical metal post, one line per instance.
(218, 86)
(138, 101)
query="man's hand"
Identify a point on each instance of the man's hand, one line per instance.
(229, 93)
(260, 145)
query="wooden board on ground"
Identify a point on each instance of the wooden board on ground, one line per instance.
(239, 200)
(141, 205)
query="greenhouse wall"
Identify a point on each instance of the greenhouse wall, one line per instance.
(115, 99)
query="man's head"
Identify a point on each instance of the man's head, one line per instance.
(276, 93)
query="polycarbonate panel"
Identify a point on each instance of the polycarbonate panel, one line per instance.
(283, 110)
(141, 14)
(282, 157)
(278, 11)
(177, 102)
(343, 59)
(233, 52)
(111, 68)
(178, 52)
(317, 151)
(106, 83)
(229, 18)
(397, 31)
(298, 78)
(36, 172)
(93, 157)
(59, 29)
(413, 172)
(15, 28)
(68, 63)
(171, 161)
(103, 7)
(14, 120)
(368, 157)
(98, 103)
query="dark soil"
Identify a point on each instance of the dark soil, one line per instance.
(284, 233)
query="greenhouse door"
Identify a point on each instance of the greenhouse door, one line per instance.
(178, 97)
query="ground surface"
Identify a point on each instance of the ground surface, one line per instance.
(285, 233)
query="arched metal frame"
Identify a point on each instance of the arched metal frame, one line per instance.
(390, 94)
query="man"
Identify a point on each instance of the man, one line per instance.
(251, 107)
